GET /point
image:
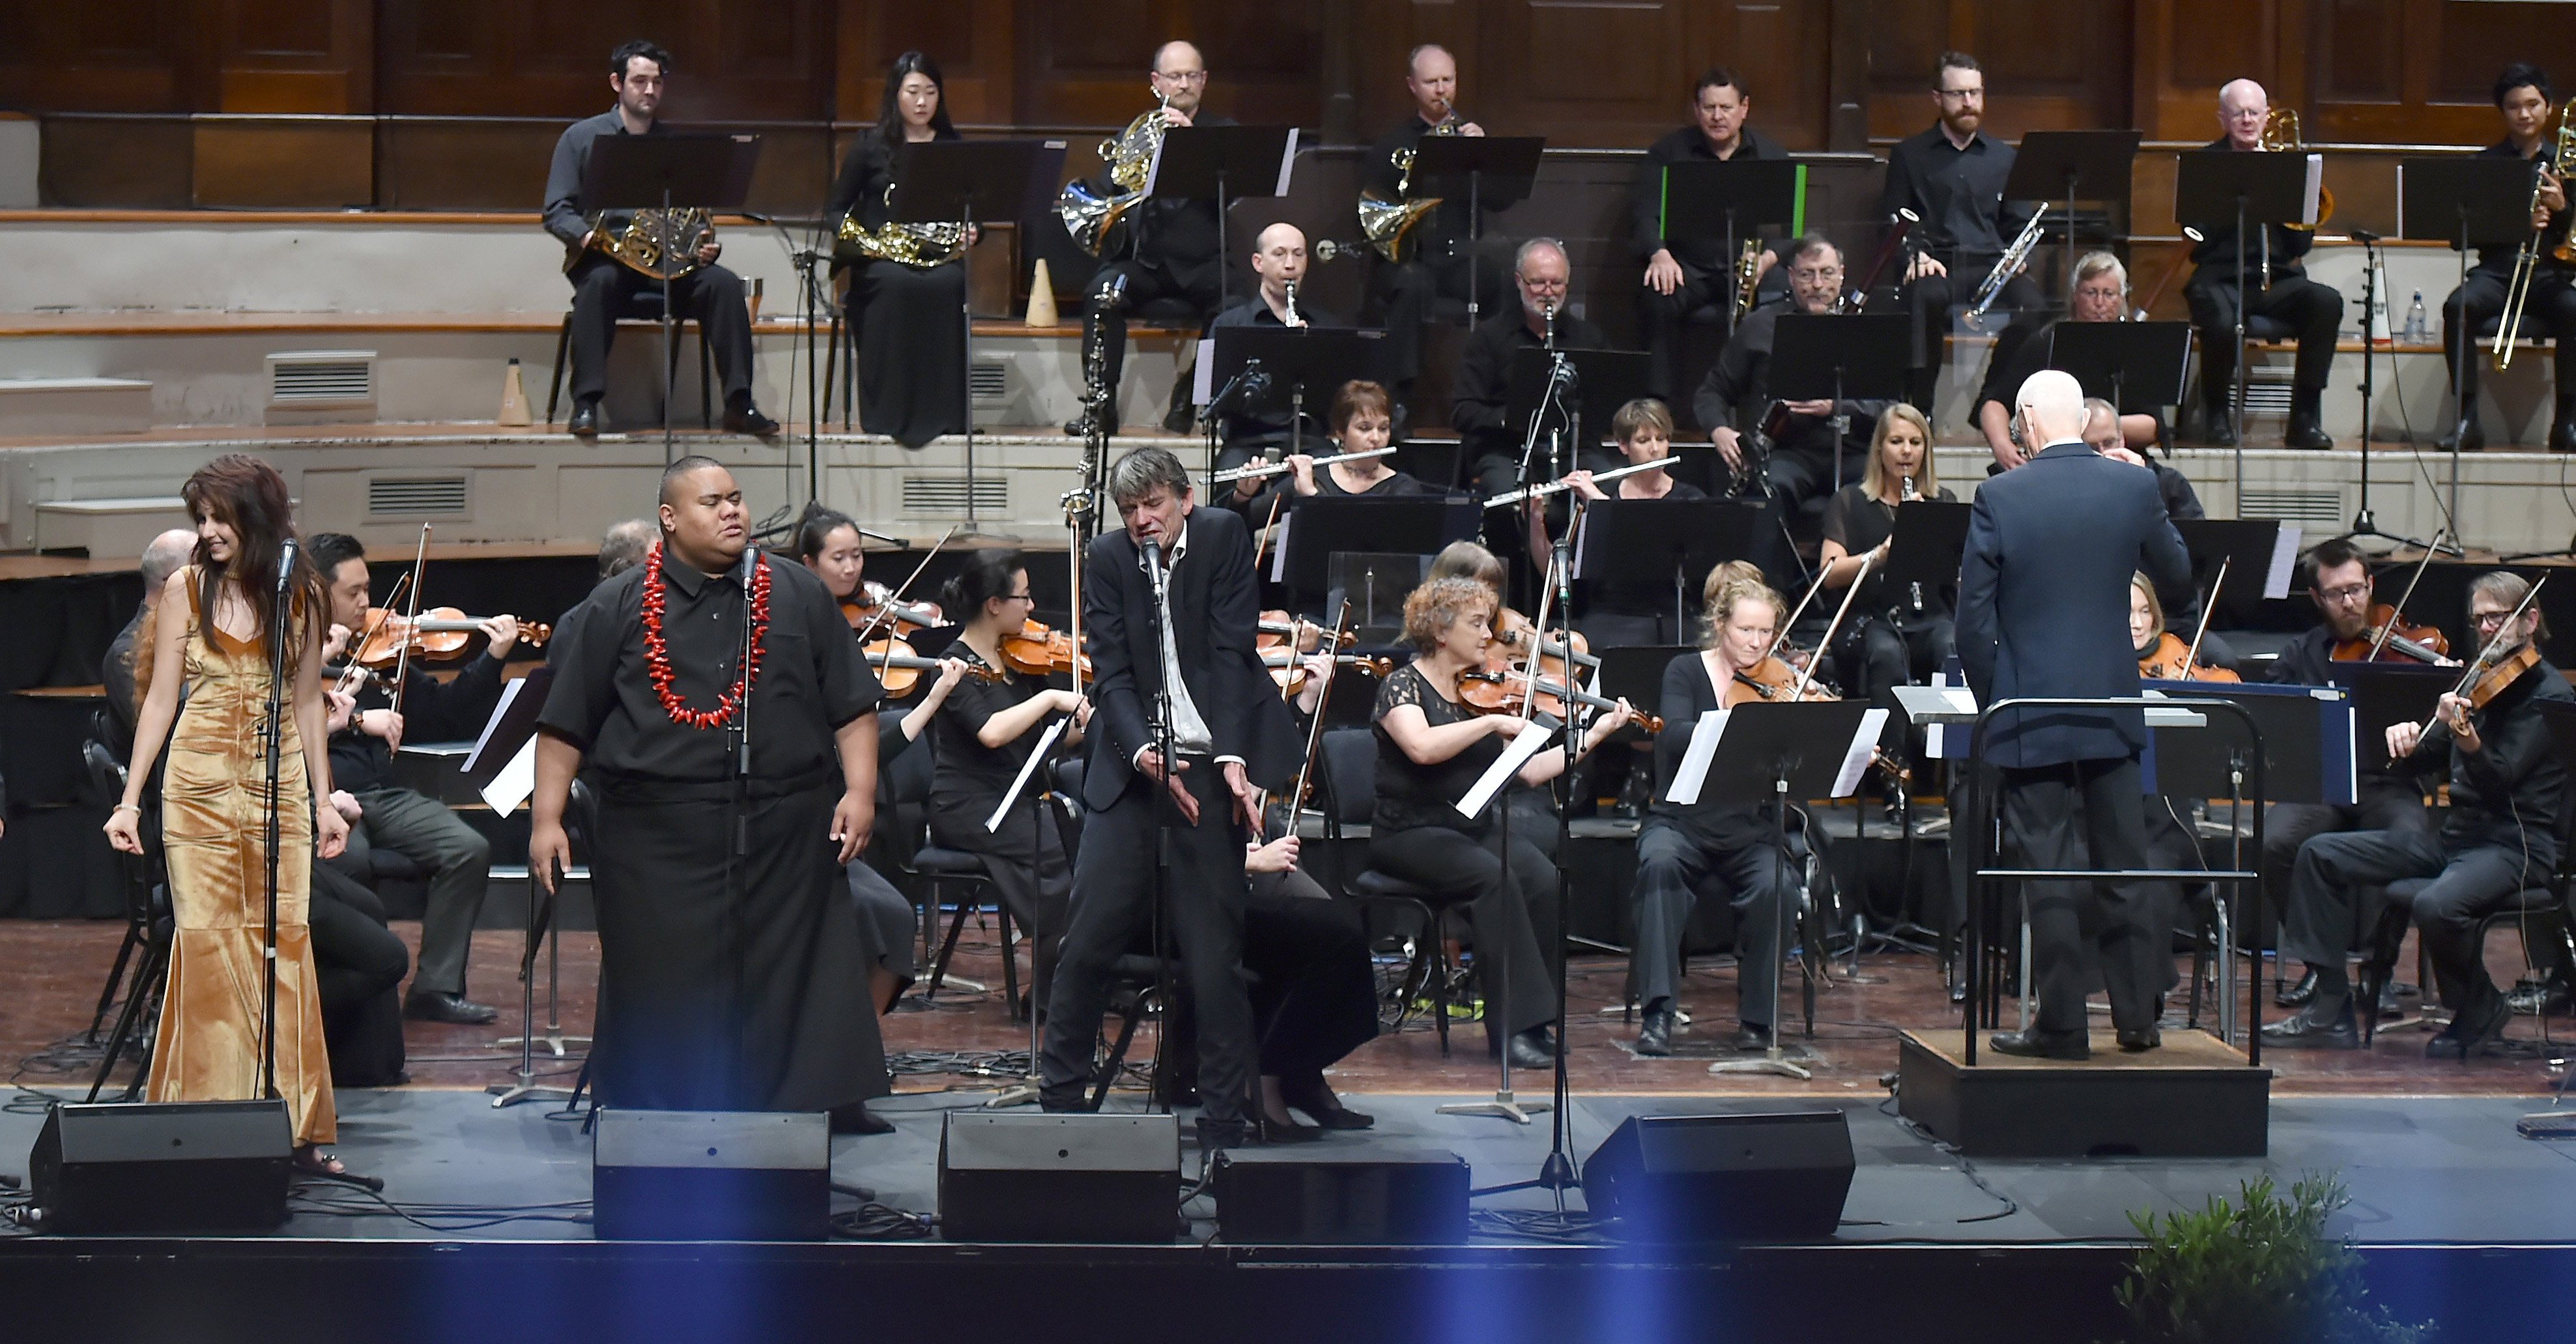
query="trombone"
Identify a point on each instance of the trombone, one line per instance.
(2517, 291)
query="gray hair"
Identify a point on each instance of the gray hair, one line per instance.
(1809, 245)
(1143, 471)
(2094, 406)
(1520, 258)
(623, 545)
(163, 557)
(2098, 263)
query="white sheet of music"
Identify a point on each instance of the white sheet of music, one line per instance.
(1046, 743)
(509, 692)
(1693, 770)
(1856, 756)
(1516, 753)
(2285, 561)
(516, 781)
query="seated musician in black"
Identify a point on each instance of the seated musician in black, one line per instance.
(1679, 847)
(1684, 275)
(1480, 404)
(2525, 97)
(2025, 347)
(1799, 469)
(1896, 634)
(1258, 422)
(1621, 614)
(2340, 583)
(603, 289)
(1431, 750)
(828, 543)
(2499, 838)
(1436, 257)
(981, 741)
(908, 316)
(1363, 421)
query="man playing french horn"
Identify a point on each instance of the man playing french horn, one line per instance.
(2525, 98)
(1151, 249)
(605, 284)
(1424, 245)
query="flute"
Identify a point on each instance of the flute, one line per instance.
(1552, 487)
(1257, 470)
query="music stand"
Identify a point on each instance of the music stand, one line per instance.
(1434, 462)
(965, 183)
(2388, 693)
(2219, 188)
(1841, 357)
(1501, 168)
(1201, 163)
(2070, 166)
(1924, 545)
(1732, 198)
(709, 170)
(2261, 555)
(2113, 360)
(1317, 526)
(1311, 363)
(1771, 752)
(1635, 672)
(2473, 202)
(1642, 541)
(1604, 381)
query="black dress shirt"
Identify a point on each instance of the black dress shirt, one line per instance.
(433, 711)
(2498, 261)
(1646, 199)
(1479, 406)
(1858, 521)
(1958, 193)
(2507, 792)
(2215, 254)
(1722, 827)
(1175, 236)
(1267, 416)
(967, 776)
(1443, 233)
(812, 680)
(1411, 795)
(1738, 390)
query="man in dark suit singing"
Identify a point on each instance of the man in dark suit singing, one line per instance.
(2043, 613)
(1169, 603)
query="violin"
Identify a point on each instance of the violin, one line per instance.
(1775, 681)
(1279, 638)
(2169, 659)
(440, 632)
(1506, 692)
(899, 669)
(2421, 643)
(874, 605)
(1288, 668)
(1034, 650)
(2495, 668)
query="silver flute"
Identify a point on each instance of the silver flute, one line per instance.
(1555, 487)
(1257, 470)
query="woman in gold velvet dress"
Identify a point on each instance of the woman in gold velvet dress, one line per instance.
(210, 639)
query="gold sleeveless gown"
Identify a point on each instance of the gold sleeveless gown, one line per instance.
(213, 822)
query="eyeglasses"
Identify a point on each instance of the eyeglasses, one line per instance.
(2350, 592)
(1019, 597)
(2489, 620)
(1185, 77)
(1958, 95)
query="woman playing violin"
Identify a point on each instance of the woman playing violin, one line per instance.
(2162, 654)
(1680, 847)
(828, 542)
(979, 744)
(1431, 750)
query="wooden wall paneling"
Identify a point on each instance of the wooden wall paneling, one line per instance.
(256, 164)
(463, 165)
(730, 59)
(2048, 66)
(1084, 62)
(974, 43)
(2188, 49)
(119, 164)
(1903, 40)
(1389, 30)
(103, 56)
(1784, 50)
(1586, 72)
(292, 55)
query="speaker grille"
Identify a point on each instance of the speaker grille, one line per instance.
(989, 380)
(2322, 507)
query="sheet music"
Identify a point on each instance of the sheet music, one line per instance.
(500, 710)
(515, 781)
(2316, 180)
(1203, 372)
(1856, 756)
(1287, 160)
(1279, 547)
(2285, 561)
(1516, 753)
(1046, 743)
(1693, 771)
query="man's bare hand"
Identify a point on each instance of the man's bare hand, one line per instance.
(1729, 446)
(549, 850)
(1923, 264)
(1663, 274)
(1247, 802)
(1151, 762)
(852, 818)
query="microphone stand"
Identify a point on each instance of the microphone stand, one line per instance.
(1158, 1101)
(738, 848)
(272, 735)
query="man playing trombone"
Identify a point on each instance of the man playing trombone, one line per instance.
(2274, 284)
(2524, 96)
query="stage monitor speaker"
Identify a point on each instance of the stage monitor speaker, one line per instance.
(1780, 1175)
(162, 1167)
(1054, 1177)
(711, 1176)
(1378, 1197)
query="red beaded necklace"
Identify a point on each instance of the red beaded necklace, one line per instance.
(657, 653)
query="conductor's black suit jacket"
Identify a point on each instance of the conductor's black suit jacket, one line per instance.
(2044, 599)
(1216, 607)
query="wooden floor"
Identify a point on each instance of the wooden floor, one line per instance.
(54, 970)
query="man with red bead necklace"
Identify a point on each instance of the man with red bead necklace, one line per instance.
(737, 980)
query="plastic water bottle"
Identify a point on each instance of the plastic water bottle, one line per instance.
(2416, 331)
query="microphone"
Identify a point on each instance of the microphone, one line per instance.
(1154, 558)
(2363, 236)
(750, 560)
(285, 564)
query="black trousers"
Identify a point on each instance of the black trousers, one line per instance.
(358, 963)
(1886, 655)
(711, 296)
(910, 326)
(1929, 300)
(459, 863)
(1313, 998)
(1402, 293)
(1025, 858)
(2086, 814)
(1113, 899)
(1761, 882)
(1514, 910)
(2382, 805)
(1800, 483)
(2333, 905)
(2312, 310)
(1104, 321)
(2551, 307)
(886, 927)
(1661, 317)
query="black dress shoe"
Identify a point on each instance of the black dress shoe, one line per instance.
(856, 1118)
(2309, 1029)
(432, 1006)
(1180, 419)
(1326, 1110)
(1266, 1130)
(1529, 1054)
(2140, 1041)
(2472, 1030)
(1655, 1034)
(2562, 436)
(2298, 995)
(2038, 1044)
(2219, 434)
(585, 420)
(2305, 432)
(1749, 1038)
(2472, 440)
(747, 419)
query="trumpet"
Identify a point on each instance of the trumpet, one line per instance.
(2008, 265)
(1748, 273)
(1558, 487)
(1261, 470)
(2517, 291)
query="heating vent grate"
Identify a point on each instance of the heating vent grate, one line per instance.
(990, 380)
(946, 495)
(322, 375)
(2321, 507)
(416, 496)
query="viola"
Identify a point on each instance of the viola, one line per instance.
(1506, 693)
(899, 669)
(440, 632)
(1771, 679)
(1288, 667)
(2168, 660)
(874, 605)
(1280, 637)
(2419, 643)
(1035, 650)
(2494, 677)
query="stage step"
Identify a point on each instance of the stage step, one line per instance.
(107, 526)
(76, 405)
(2194, 1097)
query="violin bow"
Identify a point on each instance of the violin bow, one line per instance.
(2191, 656)
(1780, 640)
(886, 610)
(1807, 673)
(1315, 729)
(402, 656)
(2397, 612)
(1538, 644)
(2486, 656)
(355, 673)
